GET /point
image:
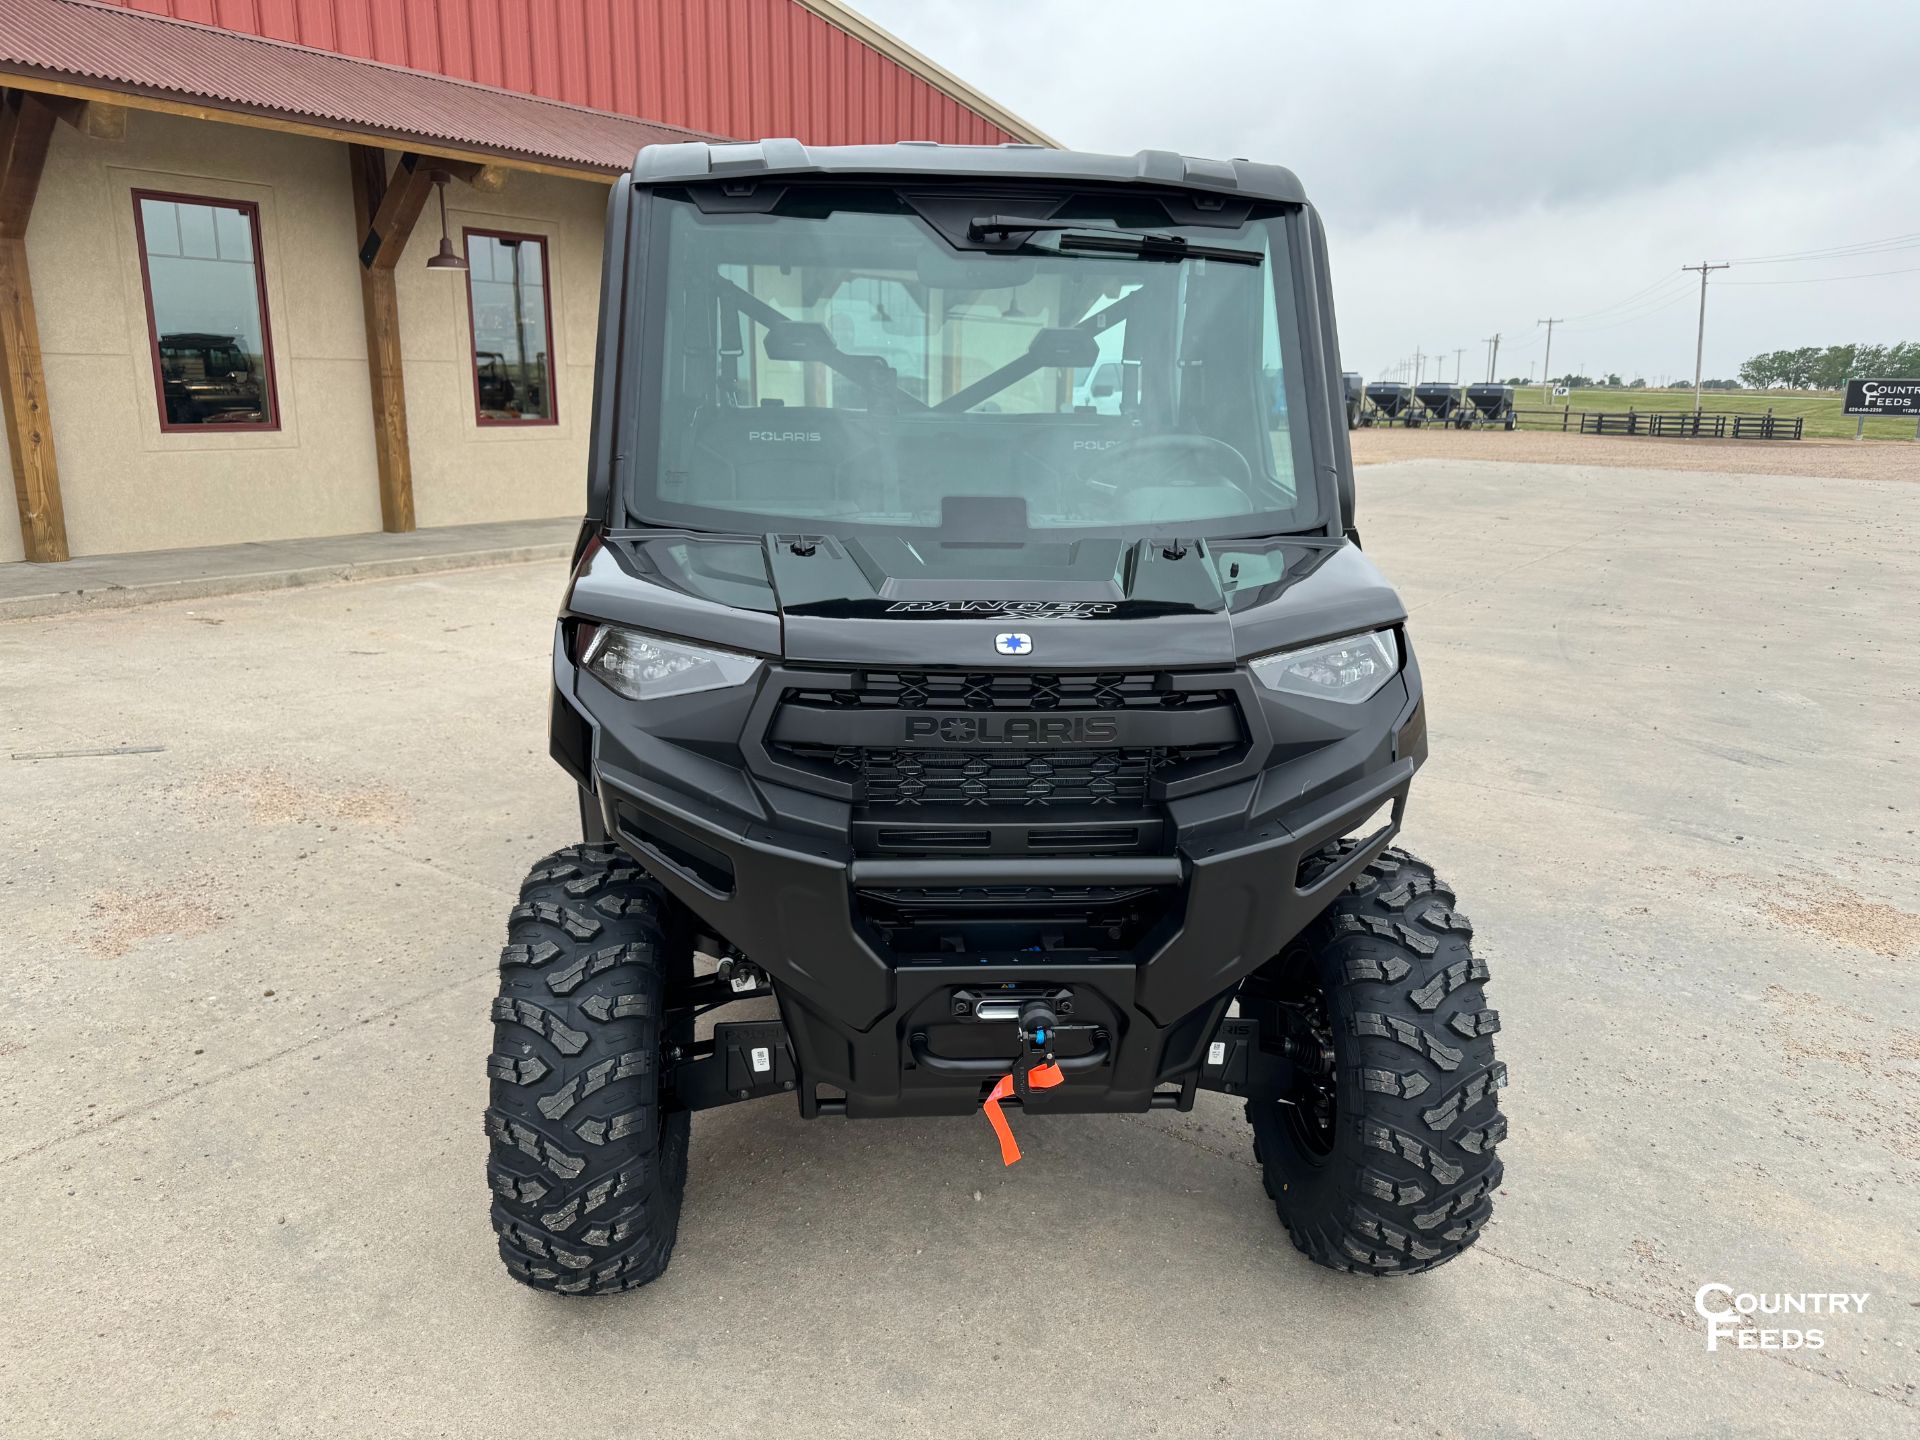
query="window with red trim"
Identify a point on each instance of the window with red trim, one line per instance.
(512, 319)
(206, 312)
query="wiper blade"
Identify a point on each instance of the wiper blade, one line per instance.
(1076, 236)
(981, 226)
(1155, 247)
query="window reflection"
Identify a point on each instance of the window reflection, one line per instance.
(206, 312)
(507, 293)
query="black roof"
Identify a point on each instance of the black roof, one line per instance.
(699, 160)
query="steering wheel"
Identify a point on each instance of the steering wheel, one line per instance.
(1133, 463)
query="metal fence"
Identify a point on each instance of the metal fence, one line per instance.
(1667, 424)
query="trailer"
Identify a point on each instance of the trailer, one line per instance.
(1441, 403)
(1488, 405)
(1392, 403)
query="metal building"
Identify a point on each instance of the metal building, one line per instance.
(284, 268)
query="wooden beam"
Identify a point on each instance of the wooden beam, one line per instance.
(26, 130)
(26, 127)
(384, 237)
(95, 119)
(381, 304)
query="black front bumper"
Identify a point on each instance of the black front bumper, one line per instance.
(888, 1034)
(775, 870)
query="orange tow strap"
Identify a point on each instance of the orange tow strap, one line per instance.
(1041, 1077)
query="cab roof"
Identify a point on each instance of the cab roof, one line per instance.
(700, 160)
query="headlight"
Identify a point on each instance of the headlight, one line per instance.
(1349, 670)
(651, 667)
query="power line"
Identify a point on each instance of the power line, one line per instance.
(1654, 305)
(1666, 303)
(1827, 279)
(1893, 242)
(1623, 304)
(1845, 254)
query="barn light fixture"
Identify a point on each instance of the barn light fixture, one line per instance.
(447, 258)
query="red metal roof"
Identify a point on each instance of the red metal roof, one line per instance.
(745, 68)
(145, 54)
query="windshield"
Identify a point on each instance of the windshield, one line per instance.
(837, 365)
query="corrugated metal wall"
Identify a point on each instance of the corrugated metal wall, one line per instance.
(748, 68)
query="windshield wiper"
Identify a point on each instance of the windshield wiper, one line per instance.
(1111, 242)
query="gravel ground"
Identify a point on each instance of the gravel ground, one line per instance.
(1824, 459)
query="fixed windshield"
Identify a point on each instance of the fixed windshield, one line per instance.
(841, 365)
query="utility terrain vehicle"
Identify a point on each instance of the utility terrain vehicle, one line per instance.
(1027, 740)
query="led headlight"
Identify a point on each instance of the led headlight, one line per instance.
(1349, 670)
(651, 667)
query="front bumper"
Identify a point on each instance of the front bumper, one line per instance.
(774, 871)
(884, 1033)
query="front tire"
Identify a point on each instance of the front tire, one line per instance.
(1385, 1165)
(588, 1166)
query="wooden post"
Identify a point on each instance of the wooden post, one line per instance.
(26, 129)
(384, 211)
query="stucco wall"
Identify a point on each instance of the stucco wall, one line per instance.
(464, 471)
(129, 486)
(9, 528)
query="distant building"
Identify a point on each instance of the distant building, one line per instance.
(227, 311)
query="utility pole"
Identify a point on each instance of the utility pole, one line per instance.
(1493, 354)
(1700, 343)
(1417, 358)
(1458, 352)
(1546, 365)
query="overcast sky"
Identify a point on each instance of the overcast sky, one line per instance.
(1483, 165)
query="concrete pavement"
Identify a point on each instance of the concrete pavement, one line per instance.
(247, 993)
(114, 582)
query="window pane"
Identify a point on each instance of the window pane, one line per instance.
(507, 289)
(203, 292)
(839, 361)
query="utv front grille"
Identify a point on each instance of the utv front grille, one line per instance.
(1004, 741)
(997, 778)
(1003, 690)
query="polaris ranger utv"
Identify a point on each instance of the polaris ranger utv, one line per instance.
(1025, 750)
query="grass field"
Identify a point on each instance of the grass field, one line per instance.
(1821, 409)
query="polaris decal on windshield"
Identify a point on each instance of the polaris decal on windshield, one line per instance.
(1018, 609)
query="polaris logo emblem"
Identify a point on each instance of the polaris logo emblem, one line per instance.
(778, 436)
(1013, 643)
(1013, 729)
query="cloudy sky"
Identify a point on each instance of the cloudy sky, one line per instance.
(1482, 165)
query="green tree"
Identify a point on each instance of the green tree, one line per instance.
(1869, 361)
(1832, 366)
(1762, 370)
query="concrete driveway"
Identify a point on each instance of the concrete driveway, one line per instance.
(246, 991)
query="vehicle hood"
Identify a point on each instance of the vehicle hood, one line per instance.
(897, 601)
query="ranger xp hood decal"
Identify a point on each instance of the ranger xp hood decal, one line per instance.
(1015, 609)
